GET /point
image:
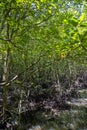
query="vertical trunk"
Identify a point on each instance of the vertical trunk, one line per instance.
(5, 79)
(58, 88)
(20, 109)
(70, 73)
(57, 77)
(6, 72)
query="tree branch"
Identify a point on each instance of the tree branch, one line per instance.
(18, 75)
(4, 19)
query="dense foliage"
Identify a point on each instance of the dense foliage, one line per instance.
(43, 48)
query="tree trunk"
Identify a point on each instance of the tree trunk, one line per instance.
(5, 79)
(6, 71)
